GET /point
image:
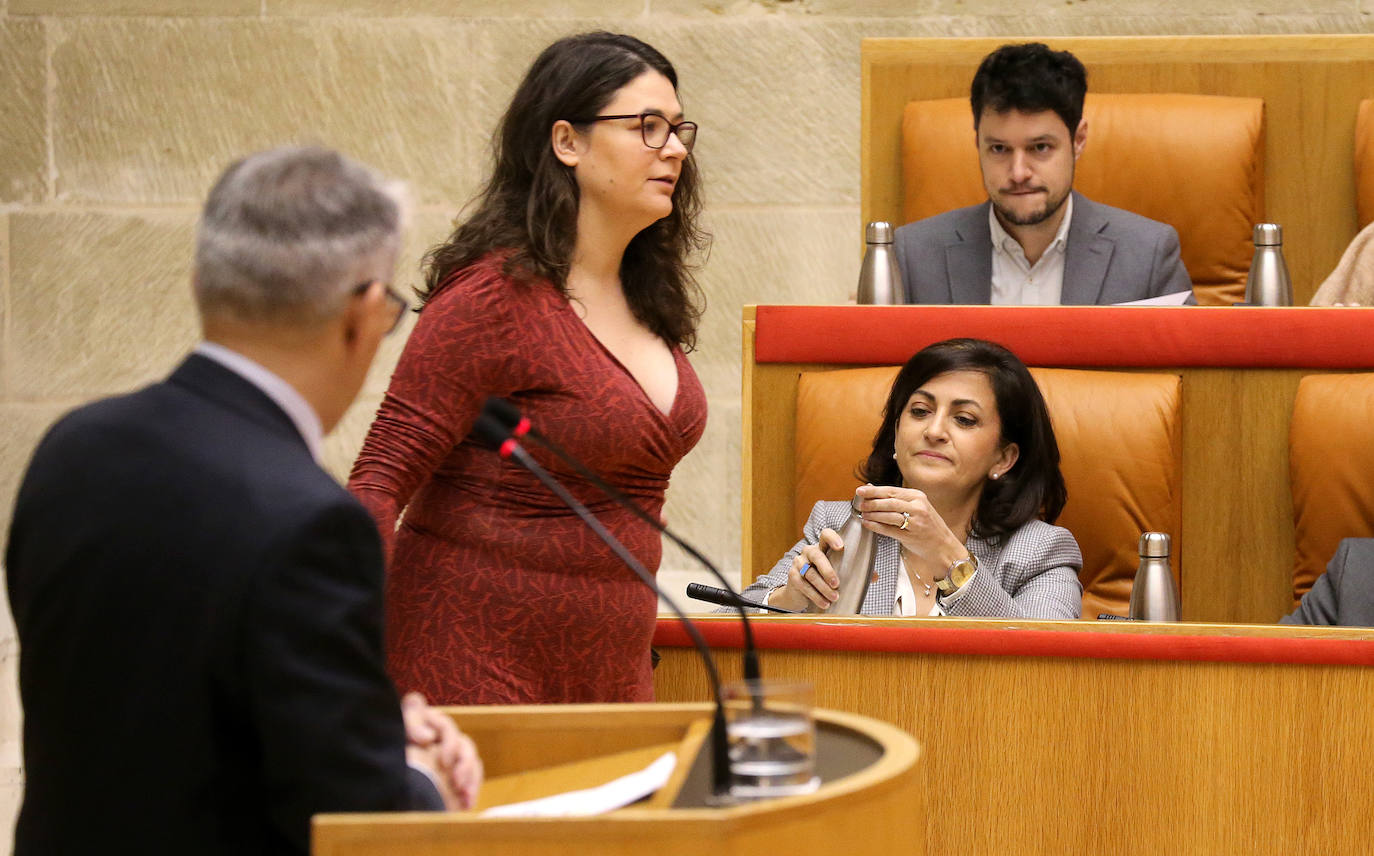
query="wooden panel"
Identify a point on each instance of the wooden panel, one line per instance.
(747, 483)
(766, 466)
(1311, 86)
(1052, 756)
(1238, 552)
(514, 738)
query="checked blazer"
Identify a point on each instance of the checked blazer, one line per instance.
(1032, 573)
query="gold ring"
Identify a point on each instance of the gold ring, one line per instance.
(906, 518)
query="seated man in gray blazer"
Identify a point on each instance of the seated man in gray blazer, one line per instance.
(1345, 593)
(1036, 241)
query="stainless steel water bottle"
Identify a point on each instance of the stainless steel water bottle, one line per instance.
(1268, 283)
(853, 564)
(1154, 597)
(880, 280)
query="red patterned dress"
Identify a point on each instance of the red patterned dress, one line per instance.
(496, 593)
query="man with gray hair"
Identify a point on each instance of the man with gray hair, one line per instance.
(199, 605)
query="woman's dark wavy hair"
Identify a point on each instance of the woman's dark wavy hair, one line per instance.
(1033, 487)
(528, 207)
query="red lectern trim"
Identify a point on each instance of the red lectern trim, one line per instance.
(1070, 336)
(794, 635)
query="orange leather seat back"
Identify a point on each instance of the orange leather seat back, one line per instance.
(1364, 164)
(1195, 162)
(1331, 469)
(1120, 446)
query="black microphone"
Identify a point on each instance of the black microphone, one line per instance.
(518, 425)
(723, 597)
(491, 432)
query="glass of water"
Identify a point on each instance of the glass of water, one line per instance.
(772, 738)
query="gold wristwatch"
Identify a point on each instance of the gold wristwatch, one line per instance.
(959, 573)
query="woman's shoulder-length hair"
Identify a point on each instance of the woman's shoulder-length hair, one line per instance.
(528, 207)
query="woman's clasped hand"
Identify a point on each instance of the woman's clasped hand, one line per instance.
(906, 515)
(810, 578)
(903, 514)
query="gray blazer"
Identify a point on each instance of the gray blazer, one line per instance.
(1033, 573)
(1345, 593)
(1112, 256)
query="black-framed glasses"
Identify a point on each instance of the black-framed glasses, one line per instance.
(654, 129)
(392, 296)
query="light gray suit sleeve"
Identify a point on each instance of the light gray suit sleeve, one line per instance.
(946, 258)
(1034, 576)
(899, 243)
(1168, 275)
(1321, 604)
(1118, 256)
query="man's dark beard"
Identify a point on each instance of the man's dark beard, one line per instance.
(1036, 217)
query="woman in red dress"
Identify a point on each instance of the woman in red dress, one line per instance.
(567, 291)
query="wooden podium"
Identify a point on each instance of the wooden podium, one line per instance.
(869, 801)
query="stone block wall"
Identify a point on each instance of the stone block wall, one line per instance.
(115, 115)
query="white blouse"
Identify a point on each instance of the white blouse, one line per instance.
(905, 604)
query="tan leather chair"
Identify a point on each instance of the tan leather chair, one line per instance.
(1331, 469)
(1120, 447)
(1195, 162)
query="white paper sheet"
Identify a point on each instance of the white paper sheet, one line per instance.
(599, 800)
(1175, 299)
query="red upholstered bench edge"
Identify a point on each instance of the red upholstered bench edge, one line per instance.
(795, 634)
(1074, 336)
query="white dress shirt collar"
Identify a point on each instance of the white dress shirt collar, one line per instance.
(285, 396)
(1015, 281)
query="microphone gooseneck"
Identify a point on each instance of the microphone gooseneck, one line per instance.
(493, 433)
(515, 424)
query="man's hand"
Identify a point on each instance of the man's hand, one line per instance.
(438, 744)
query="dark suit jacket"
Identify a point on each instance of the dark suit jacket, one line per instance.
(199, 615)
(1112, 256)
(1345, 593)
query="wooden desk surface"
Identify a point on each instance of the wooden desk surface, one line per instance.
(1054, 753)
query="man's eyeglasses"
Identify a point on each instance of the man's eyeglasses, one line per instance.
(654, 129)
(396, 300)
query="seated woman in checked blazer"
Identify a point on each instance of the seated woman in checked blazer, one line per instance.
(963, 491)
